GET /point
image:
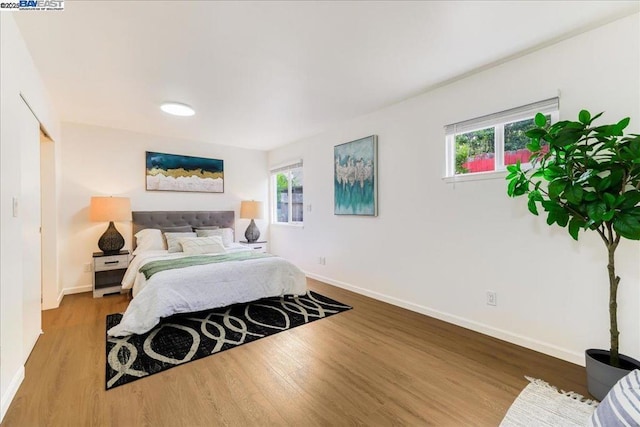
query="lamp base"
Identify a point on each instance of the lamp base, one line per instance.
(252, 233)
(111, 241)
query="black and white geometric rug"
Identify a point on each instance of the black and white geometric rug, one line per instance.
(186, 337)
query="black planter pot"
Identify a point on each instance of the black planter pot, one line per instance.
(601, 376)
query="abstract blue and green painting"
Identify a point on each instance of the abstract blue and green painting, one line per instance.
(355, 177)
(172, 172)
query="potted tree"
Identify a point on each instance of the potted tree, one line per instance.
(587, 177)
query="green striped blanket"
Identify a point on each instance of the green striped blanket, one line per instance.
(153, 267)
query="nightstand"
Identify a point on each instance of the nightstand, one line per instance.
(260, 246)
(108, 272)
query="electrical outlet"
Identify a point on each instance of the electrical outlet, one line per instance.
(492, 298)
(87, 268)
(322, 260)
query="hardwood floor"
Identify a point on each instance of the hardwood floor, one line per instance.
(374, 365)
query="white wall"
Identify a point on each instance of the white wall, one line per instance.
(102, 161)
(437, 248)
(18, 76)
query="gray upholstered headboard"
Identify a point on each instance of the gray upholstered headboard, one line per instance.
(162, 219)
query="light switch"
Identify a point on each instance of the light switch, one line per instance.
(15, 207)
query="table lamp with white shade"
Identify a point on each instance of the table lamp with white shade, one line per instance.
(250, 209)
(103, 209)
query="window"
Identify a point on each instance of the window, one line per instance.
(490, 143)
(287, 194)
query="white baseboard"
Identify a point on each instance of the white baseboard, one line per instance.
(521, 340)
(77, 290)
(33, 344)
(54, 306)
(12, 389)
(74, 290)
(47, 305)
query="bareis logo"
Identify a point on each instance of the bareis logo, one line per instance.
(32, 5)
(41, 4)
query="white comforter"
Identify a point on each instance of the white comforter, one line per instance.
(201, 287)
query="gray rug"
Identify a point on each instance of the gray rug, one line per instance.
(542, 405)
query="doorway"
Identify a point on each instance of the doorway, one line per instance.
(27, 207)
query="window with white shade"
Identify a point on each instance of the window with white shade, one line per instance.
(490, 143)
(287, 194)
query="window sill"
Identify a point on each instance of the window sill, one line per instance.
(478, 176)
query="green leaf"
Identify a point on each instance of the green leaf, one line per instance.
(605, 130)
(511, 187)
(536, 195)
(540, 120)
(616, 177)
(584, 117)
(597, 116)
(608, 215)
(536, 133)
(604, 184)
(552, 171)
(574, 227)
(573, 194)
(619, 127)
(521, 188)
(533, 146)
(596, 210)
(562, 218)
(630, 199)
(556, 188)
(532, 206)
(551, 217)
(627, 226)
(551, 206)
(609, 199)
(589, 196)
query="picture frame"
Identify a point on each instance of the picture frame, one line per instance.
(355, 177)
(174, 172)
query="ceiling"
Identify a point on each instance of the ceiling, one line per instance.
(264, 74)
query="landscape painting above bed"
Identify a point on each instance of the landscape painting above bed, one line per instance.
(171, 172)
(355, 178)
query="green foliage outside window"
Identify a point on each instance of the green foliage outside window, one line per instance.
(474, 144)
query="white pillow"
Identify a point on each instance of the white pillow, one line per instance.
(149, 239)
(225, 233)
(202, 245)
(173, 240)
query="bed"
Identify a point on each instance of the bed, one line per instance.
(166, 283)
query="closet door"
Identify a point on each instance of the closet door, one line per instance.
(29, 212)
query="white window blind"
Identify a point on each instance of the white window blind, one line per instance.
(514, 114)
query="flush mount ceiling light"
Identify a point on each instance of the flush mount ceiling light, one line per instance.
(177, 109)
